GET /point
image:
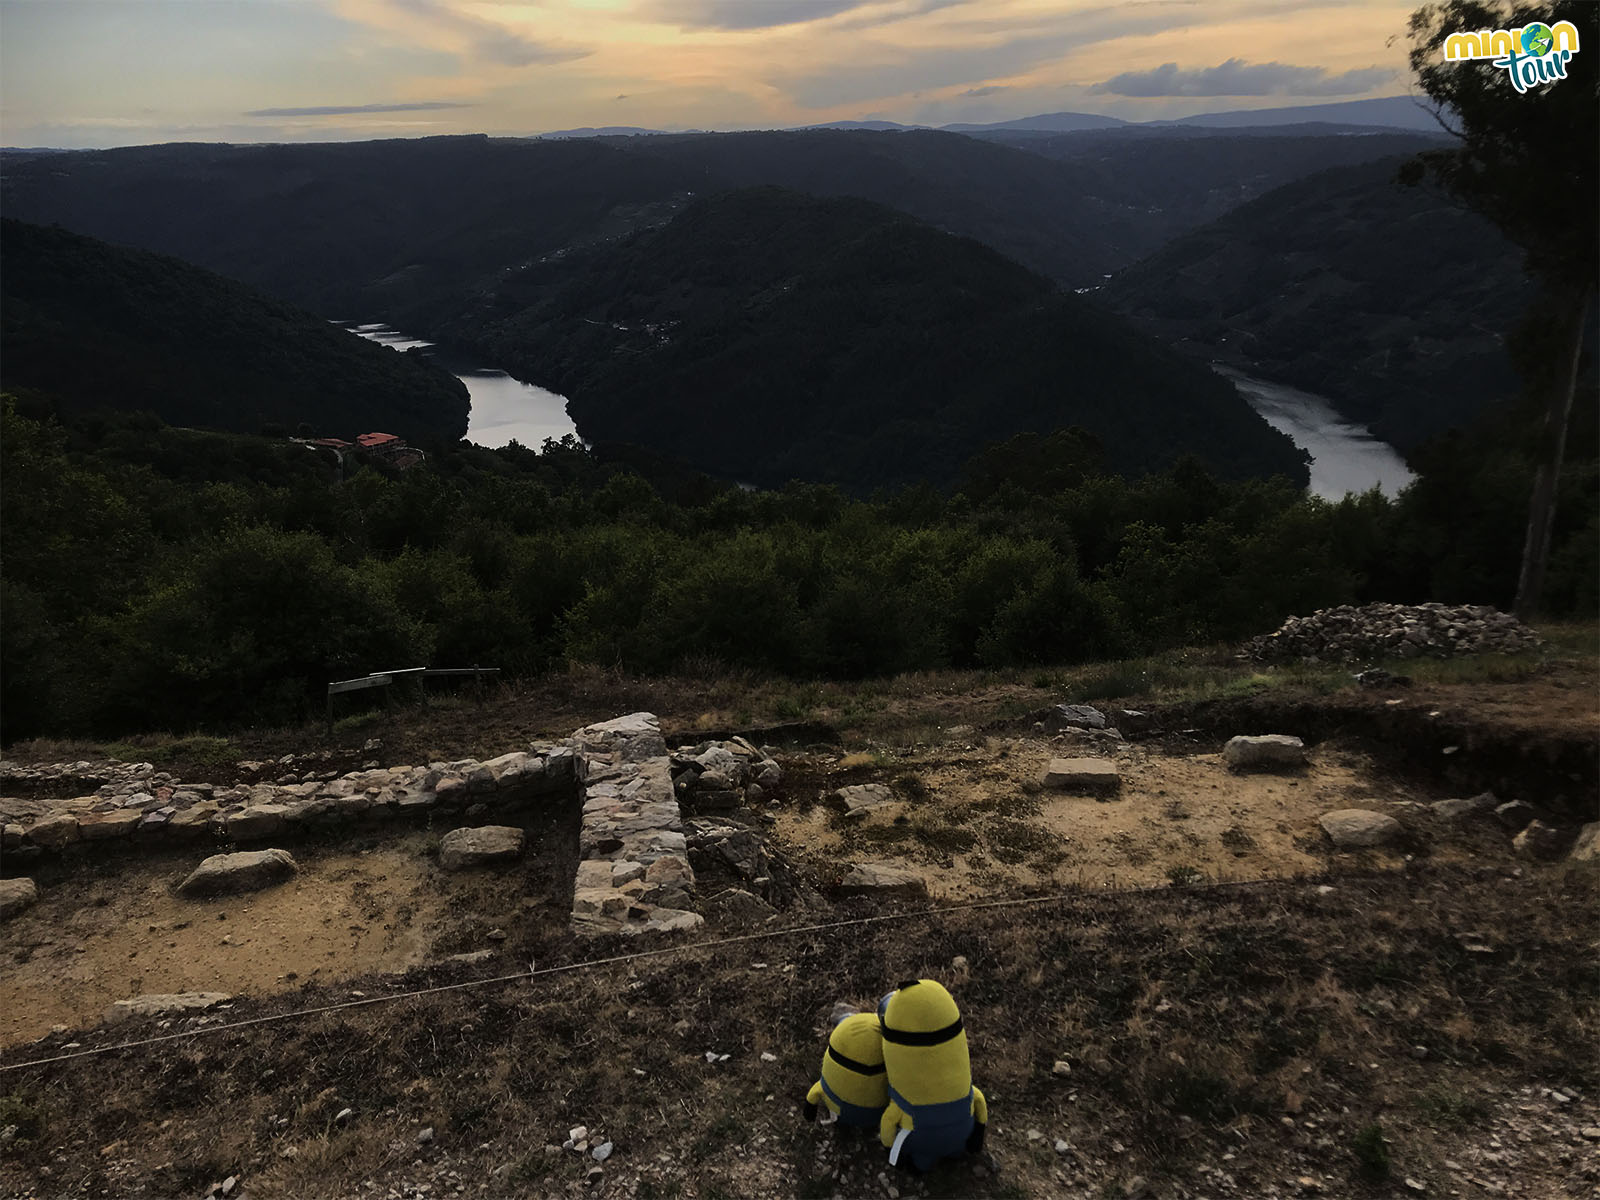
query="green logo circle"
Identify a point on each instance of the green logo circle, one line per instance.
(1537, 39)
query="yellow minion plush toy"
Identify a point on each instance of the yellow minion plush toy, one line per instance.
(852, 1084)
(934, 1111)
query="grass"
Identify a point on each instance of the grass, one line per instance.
(1452, 1108)
(1372, 1152)
(900, 711)
(164, 749)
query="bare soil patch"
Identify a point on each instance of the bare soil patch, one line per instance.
(120, 930)
(975, 822)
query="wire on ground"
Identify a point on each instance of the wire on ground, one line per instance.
(657, 952)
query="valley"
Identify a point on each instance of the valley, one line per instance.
(509, 638)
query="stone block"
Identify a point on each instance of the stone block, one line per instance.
(1353, 828)
(16, 895)
(860, 800)
(1539, 841)
(259, 820)
(1587, 847)
(883, 879)
(593, 873)
(164, 1005)
(1272, 751)
(484, 845)
(246, 871)
(1082, 774)
(54, 832)
(101, 827)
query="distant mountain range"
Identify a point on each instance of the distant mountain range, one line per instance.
(1388, 112)
(442, 236)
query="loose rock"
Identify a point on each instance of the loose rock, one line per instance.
(883, 879)
(1347, 634)
(1080, 716)
(1514, 815)
(1082, 774)
(246, 871)
(483, 846)
(1356, 827)
(1538, 841)
(1587, 847)
(858, 800)
(16, 895)
(1267, 751)
(164, 1005)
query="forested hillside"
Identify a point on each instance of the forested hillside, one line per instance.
(414, 232)
(163, 578)
(1177, 178)
(765, 336)
(100, 326)
(1392, 301)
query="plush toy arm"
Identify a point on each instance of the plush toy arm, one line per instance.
(813, 1098)
(980, 1122)
(894, 1119)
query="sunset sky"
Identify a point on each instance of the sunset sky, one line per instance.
(126, 72)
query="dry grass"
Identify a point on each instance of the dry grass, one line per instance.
(1193, 1020)
(917, 708)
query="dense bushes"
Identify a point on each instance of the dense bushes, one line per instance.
(157, 577)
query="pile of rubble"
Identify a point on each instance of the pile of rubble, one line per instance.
(1348, 634)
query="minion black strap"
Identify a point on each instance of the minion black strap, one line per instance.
(932, 1037)
(850, 1064)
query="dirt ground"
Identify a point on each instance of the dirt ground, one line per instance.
(355, 908)
(973, 820)
(1271, 1041)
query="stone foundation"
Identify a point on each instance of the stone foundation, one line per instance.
(633, 874)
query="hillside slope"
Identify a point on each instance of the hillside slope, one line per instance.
(100, 326)
(403, 229)
(1391, 301)
(765, 335)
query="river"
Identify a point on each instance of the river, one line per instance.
(1344, 457)
(503, 408)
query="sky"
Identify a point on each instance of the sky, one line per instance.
(84, 73)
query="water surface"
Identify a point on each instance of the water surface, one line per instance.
(503, 409)
(1345, 457)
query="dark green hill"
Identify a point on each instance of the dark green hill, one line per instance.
(1391, 301)
(100, 326)
(766, 335)
(1045, 214)
(1172, 179)
(405, 230)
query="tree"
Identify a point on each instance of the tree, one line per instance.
(1527, 162)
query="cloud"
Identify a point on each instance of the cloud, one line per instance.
(1239, 78)
(436, 24)
(771, 14)
(992, 90)
(744, 14)
(908, 72)
(341, 110)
